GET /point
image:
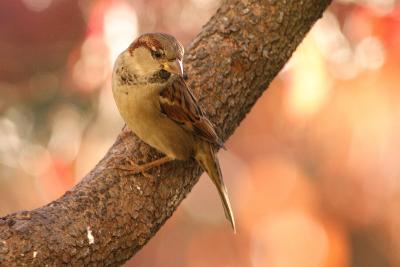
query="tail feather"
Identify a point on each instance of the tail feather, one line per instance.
(207, 159)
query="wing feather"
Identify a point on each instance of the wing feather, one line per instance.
(178, 103)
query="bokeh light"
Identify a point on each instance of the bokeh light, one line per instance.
(37, 5)
(120, 28)
(312, 171)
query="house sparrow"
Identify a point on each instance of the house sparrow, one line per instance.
(156, 104)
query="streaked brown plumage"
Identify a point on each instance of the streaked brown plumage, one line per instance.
(159, 108)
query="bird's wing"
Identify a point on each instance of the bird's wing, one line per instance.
(178, 103)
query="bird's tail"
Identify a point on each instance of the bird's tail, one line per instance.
(207, 159)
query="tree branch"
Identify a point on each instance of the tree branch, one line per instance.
(111, 214)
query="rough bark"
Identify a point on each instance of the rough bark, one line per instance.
(106, 218)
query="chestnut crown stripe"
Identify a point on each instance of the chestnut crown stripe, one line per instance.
(145, 42)
(159, 41)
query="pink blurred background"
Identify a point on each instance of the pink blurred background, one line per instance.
(313, 171)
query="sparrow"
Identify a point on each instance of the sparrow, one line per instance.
(157, 105)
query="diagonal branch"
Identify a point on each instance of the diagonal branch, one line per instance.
(111, 214)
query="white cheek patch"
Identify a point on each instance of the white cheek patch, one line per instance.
(141, 62)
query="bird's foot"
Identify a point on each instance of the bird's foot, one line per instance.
(135, 168)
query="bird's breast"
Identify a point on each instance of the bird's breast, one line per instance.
(140, 109)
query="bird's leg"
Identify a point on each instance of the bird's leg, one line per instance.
(155, 163)
(143, 167)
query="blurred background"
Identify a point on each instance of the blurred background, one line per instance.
(313, 171)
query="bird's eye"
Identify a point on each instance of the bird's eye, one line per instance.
(157, 54)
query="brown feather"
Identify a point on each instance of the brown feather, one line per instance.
(205, 156)
(145, 41)
(179, 104)
(159, 41)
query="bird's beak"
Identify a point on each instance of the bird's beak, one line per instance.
(174, 66)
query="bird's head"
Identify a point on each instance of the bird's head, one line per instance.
(154, 52)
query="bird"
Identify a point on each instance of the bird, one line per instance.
(156, 104)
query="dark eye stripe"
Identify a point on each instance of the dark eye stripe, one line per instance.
(156, 54)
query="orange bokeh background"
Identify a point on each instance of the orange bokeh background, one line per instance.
(313, 170)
